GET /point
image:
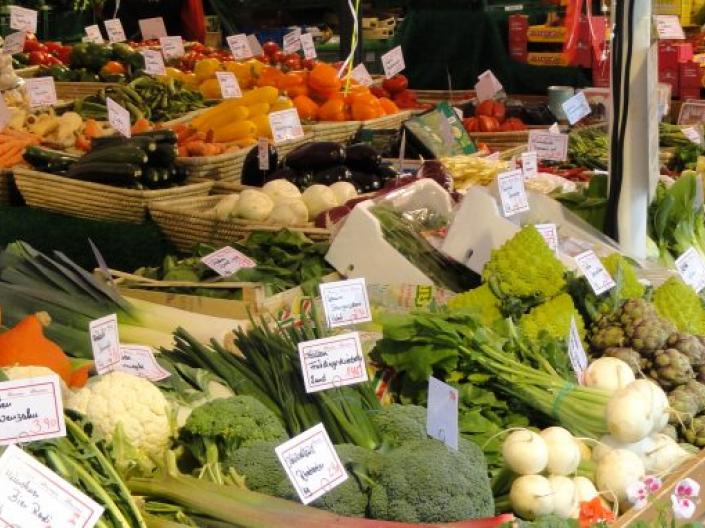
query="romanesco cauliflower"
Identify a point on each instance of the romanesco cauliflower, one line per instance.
(678, 302)
(624, 274)
(525, 267)
(482, 300)
(553, 317)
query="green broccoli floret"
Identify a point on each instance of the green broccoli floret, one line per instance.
(260, 466)
(398, 424)
(624, 274)
(425, 481)
(228, 424)
(481, 300)
(552, 317)
(678, 302)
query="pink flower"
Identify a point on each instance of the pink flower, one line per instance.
(687, 488)
(683, 507)
(638, 494)
(653, 483)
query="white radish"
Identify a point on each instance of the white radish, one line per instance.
(609, 443)
(616, 471)
(525, 452)
(656, 398)
(564, 502)
(608, 373)
(628, 415)
(225, 208)
(343, 191)
(585, 491)
(665, 455)
(531, 496)
(563, 451)
(281, 190)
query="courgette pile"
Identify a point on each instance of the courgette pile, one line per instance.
(144, 161)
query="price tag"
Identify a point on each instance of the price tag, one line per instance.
(254, 44)
(239, 46)
(442, 415)
(549, 146)
(668, 27)
(23, 19)
(576, 352)
(692, 134)
(311, 463)
(31, 495)
(14, 43)
(229, 87)
(115, 31)
(139, 360)
(332, 362)
(41, 91)
(105, 341)
(5, 114)
(529, 165)
(512, 193)
(292, 41)
(345, 302)
(549, 234)
(285, 125)
(361, 75)
(599, 278)
(152, 28)
(576, 108)
(393, 62)
(31, 409)
(227, 261)
(172, 47)
(691, 268)
(554, 129)
(308, 46)
(153, 62)
(487, 86)
(119, 117)
(93, 34)
(263, 154)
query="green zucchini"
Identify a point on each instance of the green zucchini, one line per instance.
(160, 136)
(118, 154)
(110, 173)
(164, 155)
(156, 177)
(47, 159)
(145, 143)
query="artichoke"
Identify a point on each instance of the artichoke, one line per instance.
(697, 392)
(609, 336)
(689, 345)
(634, 310)
(649, 334)
(671, 368)
(695, 432)
(630, 356)
(700, 373)
(683, 404)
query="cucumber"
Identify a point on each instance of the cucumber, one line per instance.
(117, 154)
(164, 155)
(160, 136)
(47, 159)
(110, 173)
(145, 143)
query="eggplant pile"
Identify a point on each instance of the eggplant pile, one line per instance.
(322, 162)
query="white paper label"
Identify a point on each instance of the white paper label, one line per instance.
(692, 134)
(93, 34)
(345, 302)
(549, 146)
(33, 496)
(255, 46)
(512, 193)
(263, 154)
(668, 27)
(311, 463)
(554, 129)
(308, 46)
(229, 87)
(139, 360)
(292, 41)
(31, 409)
(576, 108)
(119, 117)
(361, 75)
(529, 165)
(105, 341)
(152, 28)
(5, 114)
(115, 31)
(442, 415)
(153, 62)
(41, 91)
(332, 362)
(576, 352)
(227, 260)
(599, 278)
(487, 86)
(14, 43)
(549, 234)
(239, 46)
(172, 47)
(691, 268)
(285, 125)
(393, 62)
(22, 19)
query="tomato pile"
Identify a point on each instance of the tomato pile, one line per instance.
(44, 53)
(491, 116)
(397, 89)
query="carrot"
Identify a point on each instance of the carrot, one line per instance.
(7, 145)
(183, 151)
(12, 157)
(141, 125)
(83, 143)
(91, 129)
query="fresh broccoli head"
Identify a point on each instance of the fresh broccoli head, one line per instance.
(423, 481)
(552, 317)
(481, 300)
(260, 466)
(398, 424)
(228, 424)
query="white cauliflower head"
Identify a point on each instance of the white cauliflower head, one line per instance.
(135, 402)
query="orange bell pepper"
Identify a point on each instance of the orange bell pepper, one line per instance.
(333, 110)
(306, 107)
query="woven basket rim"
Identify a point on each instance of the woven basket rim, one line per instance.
(219, 159)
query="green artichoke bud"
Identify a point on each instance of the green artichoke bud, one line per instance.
(683, 405)
(694, 433)
(635, 309)
(689, 345)
(649, 335)
(630, 356)
(611, 336)
(670, 368)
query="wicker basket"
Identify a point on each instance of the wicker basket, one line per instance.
(437, 96)
(28, 72)
(76, 90)
(393, 121)
(338, 132)
(94, 200)
(188, 221)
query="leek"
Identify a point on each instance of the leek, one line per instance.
(31, 281)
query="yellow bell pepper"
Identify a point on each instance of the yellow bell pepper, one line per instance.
(283, 103)
(189, 80)
(243, 73)
(258, 109)
(234, 131)
(206, 68)
(210, 89)
(261, 121)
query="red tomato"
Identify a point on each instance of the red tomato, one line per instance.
(51, 59)
(291, 64)
(200, 48)
(405, 99)
(396, 84)
(485, 108)
(308, 64)
(471, 124)
(53, 47)
(263, 58)
(64, 53)
(277, 57)
(488, 124)
(30, 36)
(37, 58)
(270, 48)
(378, 91)
(33, 45)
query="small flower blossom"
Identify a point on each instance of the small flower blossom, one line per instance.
(638, 494)
(687, 488)
(683, 507)
(653, 483)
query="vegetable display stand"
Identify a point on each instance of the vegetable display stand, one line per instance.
(76, 90)
(94, 200)
(189, 221)
(255, 299)
(388, 122)
(337, 132)
(504, 140)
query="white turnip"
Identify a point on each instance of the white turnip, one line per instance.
(608, 373)
(525, 452)
(531, 496)
(616, 471)
(563, 451)
(564, 502)
(665, 454)
(628, 415)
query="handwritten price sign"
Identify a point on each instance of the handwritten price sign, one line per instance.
(30, 410)
(332, 362)
(345, 302)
